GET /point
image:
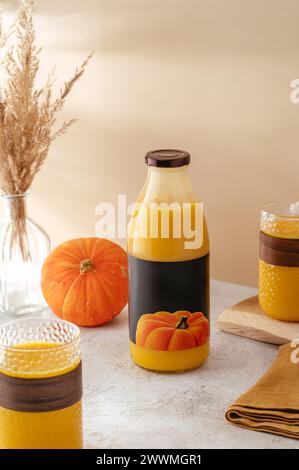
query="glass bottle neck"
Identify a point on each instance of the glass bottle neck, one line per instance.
(169, 185)
(15, 206)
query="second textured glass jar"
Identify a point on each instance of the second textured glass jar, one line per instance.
(279, 261)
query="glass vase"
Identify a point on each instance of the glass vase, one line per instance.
(23, 248)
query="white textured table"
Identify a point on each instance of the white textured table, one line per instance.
(128, 407)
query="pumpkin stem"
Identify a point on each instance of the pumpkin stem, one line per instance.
(86, 265)
(182, 324)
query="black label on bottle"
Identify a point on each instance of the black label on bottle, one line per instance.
(174, 294)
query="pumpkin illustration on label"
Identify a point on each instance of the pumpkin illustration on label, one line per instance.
(165, 331)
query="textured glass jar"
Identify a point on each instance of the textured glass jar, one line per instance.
(35, 356)
(279, 261)
(23, 249)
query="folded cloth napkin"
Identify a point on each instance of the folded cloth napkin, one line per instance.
(272, 404)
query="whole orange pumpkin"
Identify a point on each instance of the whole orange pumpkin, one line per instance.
(165, 331)
(85, 281)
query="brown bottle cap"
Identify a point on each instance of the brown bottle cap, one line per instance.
(167, 158)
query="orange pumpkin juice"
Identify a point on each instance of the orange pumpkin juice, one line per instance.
(41, 377)
(168, 269)
(279, 262)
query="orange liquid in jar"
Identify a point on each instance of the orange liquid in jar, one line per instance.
(61, 429)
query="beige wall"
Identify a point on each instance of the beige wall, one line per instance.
(209, 76)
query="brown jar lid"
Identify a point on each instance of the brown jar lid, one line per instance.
(167, 158)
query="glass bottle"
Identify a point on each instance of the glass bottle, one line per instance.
(23, 249)
(279, 261)
(40, 385)
(168, 249)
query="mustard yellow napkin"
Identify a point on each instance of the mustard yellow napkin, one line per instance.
(272, 404)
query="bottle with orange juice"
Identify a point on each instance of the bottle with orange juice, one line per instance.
(168, 249)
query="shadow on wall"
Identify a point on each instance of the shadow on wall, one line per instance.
(174, 28)
(80, 184)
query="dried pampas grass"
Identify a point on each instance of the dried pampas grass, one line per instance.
(27, 114)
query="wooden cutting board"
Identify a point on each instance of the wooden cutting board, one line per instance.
(247, 319)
